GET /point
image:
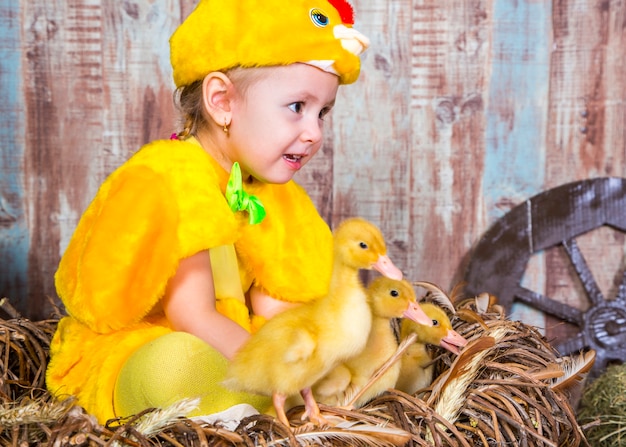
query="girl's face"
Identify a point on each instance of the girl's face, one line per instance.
(277, 124)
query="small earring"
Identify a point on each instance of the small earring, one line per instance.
(225, 128)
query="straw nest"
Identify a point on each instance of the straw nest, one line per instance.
(505, 389)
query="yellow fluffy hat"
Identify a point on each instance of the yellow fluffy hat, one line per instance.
(219, 35)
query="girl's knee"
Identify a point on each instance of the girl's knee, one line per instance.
(174, 367)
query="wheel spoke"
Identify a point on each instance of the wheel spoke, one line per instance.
(549, 306)
(585, 275)
(621, 291)
(570, 346)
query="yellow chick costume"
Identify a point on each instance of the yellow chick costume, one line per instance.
(167, 203)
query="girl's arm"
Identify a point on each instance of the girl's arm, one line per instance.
(189, 305)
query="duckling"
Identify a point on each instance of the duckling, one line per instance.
(388, 299)
(416, 370)
(297, 347)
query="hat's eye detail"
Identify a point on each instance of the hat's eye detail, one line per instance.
(319, 18)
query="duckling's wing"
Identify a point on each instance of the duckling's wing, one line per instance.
(301, 346)
(414, 380)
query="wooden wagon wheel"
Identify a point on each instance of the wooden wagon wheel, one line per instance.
(549, 219)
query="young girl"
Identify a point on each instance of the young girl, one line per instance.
(195, 240)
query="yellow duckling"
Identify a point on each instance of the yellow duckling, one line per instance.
(297, 347)
(388, 299)
(416, 372)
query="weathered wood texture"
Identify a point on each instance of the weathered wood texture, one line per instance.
(465, 108)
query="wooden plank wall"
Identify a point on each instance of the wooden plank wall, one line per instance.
(465, 108)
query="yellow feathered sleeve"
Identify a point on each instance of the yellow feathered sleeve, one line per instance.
(162, 205)
(289, 254)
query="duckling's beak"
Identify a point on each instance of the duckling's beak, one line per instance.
(453, 341)
(387, 268)
(414, 312)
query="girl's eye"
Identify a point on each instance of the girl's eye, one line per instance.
(296, 107)
(325, 111)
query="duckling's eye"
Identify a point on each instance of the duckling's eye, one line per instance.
(363, 245)
(394, 293)
(435, 323)
(318, 17)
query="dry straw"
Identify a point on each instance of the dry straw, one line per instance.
(603, 408)
(501, 391)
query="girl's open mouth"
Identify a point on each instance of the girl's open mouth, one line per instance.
(293, 158)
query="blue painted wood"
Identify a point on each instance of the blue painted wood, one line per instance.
(515, 145)
(515, 140)
(14, 236)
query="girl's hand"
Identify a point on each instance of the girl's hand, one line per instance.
(266, 306)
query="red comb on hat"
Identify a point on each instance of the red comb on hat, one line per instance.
(345, 10)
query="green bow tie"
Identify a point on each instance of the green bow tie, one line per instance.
(239, 200)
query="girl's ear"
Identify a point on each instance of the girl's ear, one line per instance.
(217, 96)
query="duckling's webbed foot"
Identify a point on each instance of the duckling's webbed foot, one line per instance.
(279, 400)
(311, 409)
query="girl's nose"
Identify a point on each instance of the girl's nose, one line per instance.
(313, 130)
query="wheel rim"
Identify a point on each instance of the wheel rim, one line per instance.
(555, 218)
